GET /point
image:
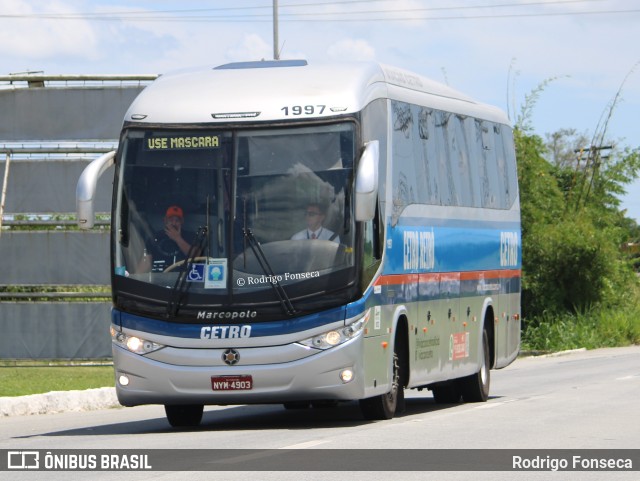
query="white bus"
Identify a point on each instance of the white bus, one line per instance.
(307, 234)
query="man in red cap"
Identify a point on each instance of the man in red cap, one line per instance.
(168, 246)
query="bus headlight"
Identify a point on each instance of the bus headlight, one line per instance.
(336, 337)
(134, 344)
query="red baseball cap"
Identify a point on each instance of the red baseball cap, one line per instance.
(174, 211)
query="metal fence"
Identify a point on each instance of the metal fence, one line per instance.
(51, 127)
(55, 330)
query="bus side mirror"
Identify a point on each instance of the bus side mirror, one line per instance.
(86, 188)
(367, 182)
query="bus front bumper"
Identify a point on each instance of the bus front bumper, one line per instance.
(321, 376)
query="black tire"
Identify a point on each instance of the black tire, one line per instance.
(446, 393)
(184, 415)
(384, 406)
(475, 388)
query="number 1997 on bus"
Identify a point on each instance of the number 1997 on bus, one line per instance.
(303, 110)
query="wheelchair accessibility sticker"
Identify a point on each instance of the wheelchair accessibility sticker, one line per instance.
(196, 273)
(215, 274)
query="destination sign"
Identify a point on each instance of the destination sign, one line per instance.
(175, 142)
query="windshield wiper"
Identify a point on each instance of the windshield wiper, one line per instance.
(285, 302)
(181, 285)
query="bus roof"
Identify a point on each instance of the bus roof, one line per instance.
(289, 90)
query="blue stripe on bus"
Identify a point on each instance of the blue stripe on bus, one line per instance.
(258, 329)
(468, 247)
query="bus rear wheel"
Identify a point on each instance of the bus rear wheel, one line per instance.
(184, 415)
(447, 393)
(475, 388)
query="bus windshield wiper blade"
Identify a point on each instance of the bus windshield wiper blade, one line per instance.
(181, 285)
(285, 302)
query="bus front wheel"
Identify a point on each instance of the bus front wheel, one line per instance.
(384, 406)
(184, 415)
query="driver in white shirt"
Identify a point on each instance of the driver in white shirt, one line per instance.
(315, 215)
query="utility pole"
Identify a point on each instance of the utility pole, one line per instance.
(594, 161)
(276, 53)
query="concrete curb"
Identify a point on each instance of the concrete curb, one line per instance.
(58, 402)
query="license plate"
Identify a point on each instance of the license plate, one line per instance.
(232, 383)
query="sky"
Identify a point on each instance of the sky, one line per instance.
(574, 56)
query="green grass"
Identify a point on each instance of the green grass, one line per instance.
(35, 379)
(592, 329)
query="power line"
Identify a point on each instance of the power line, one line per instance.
(470, 17)
(267, 18)
(145, 13)
(163, 15)
(449, 8)
(354, 2)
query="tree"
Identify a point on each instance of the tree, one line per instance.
(572, 235)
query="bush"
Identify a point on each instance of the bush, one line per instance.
(570, 266)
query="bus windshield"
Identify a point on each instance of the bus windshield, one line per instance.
(233, 217)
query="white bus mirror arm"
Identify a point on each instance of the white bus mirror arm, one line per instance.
(86, 188)
(367, 182)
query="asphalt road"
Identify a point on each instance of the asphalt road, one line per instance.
(579, 400)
